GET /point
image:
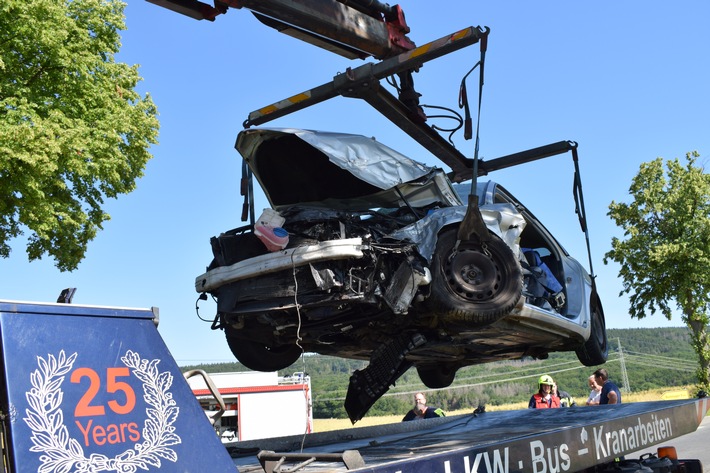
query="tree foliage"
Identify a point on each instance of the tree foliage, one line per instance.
(73, 129)
(665, 252)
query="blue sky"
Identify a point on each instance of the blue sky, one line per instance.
(627, 81)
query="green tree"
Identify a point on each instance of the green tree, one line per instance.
(665, 254)
(73, 131)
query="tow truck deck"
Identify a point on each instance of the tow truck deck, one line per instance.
(527, 440)
(96, 388)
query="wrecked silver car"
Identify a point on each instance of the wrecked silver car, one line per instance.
(361, 256)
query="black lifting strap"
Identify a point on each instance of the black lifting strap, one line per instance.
(579, 207)
(472, 223)
(247, 190)
(463, 94)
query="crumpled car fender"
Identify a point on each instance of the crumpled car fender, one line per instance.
(502, 219)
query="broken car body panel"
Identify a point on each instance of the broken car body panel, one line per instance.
(338, 171)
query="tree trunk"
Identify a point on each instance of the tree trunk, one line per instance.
(700, 340)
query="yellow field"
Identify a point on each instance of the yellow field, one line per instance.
(325, 425)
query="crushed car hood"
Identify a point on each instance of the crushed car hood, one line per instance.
(338, 171)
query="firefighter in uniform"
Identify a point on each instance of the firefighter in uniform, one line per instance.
(544, 397)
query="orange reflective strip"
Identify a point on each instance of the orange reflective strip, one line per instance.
(420, 50)
(299, 97)
(284, 103)
(268, 109)
(460, 34)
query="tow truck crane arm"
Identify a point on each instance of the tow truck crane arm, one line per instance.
(364, 82)
(355, 28)
(350, 28)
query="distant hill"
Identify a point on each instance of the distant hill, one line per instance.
(652, 358)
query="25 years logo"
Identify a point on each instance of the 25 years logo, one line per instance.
(60, 453)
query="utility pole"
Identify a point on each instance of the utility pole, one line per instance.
(624, 376)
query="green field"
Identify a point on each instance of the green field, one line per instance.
(325, 425)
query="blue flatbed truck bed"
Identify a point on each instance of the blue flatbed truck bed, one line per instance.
(88, 388)
(538, 441)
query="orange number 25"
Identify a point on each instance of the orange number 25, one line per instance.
(84, 407)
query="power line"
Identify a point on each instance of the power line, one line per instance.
(501, 378)
(660, 364)
(537, 366)
(672, 368)
(624, 375)
(661, 358)
(466, 386)
(624, 357)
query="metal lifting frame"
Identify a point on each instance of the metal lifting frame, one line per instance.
(357, 29)
(364, 82)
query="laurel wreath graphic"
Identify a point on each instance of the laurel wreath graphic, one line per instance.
(61, 454)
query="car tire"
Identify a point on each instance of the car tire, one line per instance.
(595, 350)
(259, 357)
(476, 284)
(436, 377)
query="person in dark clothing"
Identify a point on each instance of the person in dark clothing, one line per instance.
(421, 411)
(426, 412)
(418, 398)
(610, 393)
(566, 400)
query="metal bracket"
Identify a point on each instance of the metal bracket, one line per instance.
(472, 224)
(213, 389)
(273, 462)
(66, 296)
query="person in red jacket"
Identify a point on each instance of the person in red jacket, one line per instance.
(544, 398)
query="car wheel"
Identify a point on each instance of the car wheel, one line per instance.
(594, 352)
(437, 377)
(259, 357)
(477, 283)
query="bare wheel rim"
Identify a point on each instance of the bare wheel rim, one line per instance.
(473, 274)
